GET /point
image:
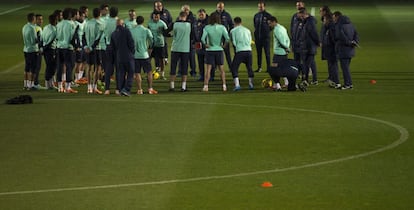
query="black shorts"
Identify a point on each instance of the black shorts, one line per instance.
(80, 56)
(158, 52)
(96, 57)
(31, 60)
(214, 58)
(144, 64)
(279, 58)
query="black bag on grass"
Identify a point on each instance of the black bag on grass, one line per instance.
(21, 99)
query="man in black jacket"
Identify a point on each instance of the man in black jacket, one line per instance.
(308, 42)
(201, 22)
(262, 35)
(123, 47)
(227, 21)
(346, 39)
(295, 25)
(328, 49)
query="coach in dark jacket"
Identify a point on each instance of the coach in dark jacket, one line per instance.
(124, 49)
(308, 42)
(201, 22)
(295, 25)
(227, 22)
(346, 39)
(262, 35)
(328, 49)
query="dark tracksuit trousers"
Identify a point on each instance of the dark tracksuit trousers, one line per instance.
(289, 69)
(242, 57)
(50, 60)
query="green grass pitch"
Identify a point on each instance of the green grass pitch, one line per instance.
(323, 149)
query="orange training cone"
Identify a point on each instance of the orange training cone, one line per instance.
(267, 184)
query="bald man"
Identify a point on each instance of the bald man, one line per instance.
(165, 16)
(123, 48)
(227, 22)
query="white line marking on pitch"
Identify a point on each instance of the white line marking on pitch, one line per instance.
(404, 134)
(19, 65)
(15, 9)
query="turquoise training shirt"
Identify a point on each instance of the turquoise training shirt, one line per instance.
(130, 23)
(110, 26)
(181, 37)
(280, 40)
(212, 35)
(30, 38)
(49, 36)
(241, 37)
(157, 29)
(142, 39)
(93, 29)
(65, 30)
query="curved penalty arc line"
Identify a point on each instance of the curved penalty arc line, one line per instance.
(404, 135)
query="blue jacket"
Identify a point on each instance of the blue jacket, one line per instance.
(295, 25)
(307, 37)
(345, 38)
(328, 41)
(226, 20)
(198, 32)
(261, 26)
(123, 44)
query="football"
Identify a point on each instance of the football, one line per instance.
(155, 75)
(267, 83)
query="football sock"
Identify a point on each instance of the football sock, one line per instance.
(236, 82)
(285, 81)
(278, 86)
(172, 85)
(251, 83)
(184, 85)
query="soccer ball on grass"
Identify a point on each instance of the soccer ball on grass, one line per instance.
(267, 83)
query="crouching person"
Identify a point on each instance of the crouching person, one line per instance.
(289, 69)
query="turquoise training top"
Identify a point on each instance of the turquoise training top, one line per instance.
(110, 26)
(142, 39)
(157, 29)
(280, 40)
(181, 37)
(30, 38)
(65, 30)
(241, 37)
(49, 36)
(212, 35)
